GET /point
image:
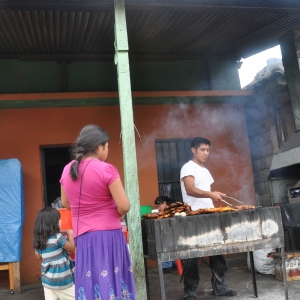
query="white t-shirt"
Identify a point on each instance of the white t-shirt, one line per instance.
(203, 181)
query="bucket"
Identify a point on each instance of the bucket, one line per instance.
(145, 209)
(66, 219)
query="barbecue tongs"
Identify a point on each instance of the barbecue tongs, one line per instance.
(232, 199)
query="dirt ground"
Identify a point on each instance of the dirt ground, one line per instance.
(239, 278)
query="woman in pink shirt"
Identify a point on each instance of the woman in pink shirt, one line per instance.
(92, 189)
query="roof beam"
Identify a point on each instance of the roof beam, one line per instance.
(110, 57)
(271, 6)
(76, 6)
(136, 94)
(76, 99)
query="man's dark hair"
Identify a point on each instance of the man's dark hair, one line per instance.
(161, 199)
(197, 141)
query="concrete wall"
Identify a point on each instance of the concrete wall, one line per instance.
(23, 131)
(32, 77)
(27, 129)
(39, 76)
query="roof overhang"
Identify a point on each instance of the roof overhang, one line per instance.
(288, 155)
(165, 30)
(275, 6)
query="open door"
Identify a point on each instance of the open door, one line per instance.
(54, 158)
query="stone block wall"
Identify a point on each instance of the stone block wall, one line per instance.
(262, 134)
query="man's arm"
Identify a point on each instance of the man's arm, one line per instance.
(191, 190)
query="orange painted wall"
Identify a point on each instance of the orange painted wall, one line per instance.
(23, 131)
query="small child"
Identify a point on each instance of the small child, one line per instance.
(52, 247)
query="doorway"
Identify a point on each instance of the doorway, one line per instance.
(171, 155)
(54, 159)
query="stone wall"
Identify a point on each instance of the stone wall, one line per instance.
(262, 133)
(269, 124)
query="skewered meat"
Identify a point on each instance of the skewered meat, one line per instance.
(245, 207)
(180, 209)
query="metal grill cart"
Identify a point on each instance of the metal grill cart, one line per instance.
(214, 234)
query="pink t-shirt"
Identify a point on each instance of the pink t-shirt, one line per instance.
(97, 208)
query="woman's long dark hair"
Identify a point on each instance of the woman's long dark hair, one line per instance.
(46, 224)
(90, 137)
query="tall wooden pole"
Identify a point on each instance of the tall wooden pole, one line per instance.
(129, 150)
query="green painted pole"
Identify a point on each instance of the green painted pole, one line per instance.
(129, 150)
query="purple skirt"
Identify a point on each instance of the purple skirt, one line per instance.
(103, 269)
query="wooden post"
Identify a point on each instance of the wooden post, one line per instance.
(129, 150)
(17, 284)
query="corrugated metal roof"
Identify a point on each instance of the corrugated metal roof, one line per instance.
(160, 31)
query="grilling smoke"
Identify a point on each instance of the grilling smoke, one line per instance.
(223, 124)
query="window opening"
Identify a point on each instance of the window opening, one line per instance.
(54, 159)
(171, 155)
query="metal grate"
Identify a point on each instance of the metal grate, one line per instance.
(171, 155)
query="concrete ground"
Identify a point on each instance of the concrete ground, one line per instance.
(239, 278)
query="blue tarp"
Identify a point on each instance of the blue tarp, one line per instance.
(11, 210)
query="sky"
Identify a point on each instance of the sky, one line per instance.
(255, 63)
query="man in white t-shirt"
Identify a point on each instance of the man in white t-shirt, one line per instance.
(195, 182)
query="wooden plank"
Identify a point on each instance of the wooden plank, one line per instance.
(159, 162)
(181, 231)
(219, 249)
(210, 230)
(213, 234)
(4, 266)
(231, 228)
(157, 236)
(269, 223)
(54, 96)
(14, 275)
(166, 231)
(166, 161)
(255, 223)
(17, 282)
(287, 241)
(250, 226)
(297, 238)
(138, 94)
(255, 6)
(11, 276)
(129, 149)
(151, 240)
(106, 56)
(77, 102)
(175, 169)
(292, 239)
(115, 101)
(57, 103)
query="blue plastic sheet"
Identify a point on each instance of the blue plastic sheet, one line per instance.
(11, 210)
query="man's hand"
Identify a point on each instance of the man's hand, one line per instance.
(216, 196)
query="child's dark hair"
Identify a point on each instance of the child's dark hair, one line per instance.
(161, 199)
(46, 224)
(90, 137)
(197, 141)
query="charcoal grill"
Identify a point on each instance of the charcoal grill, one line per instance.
(214, 234)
